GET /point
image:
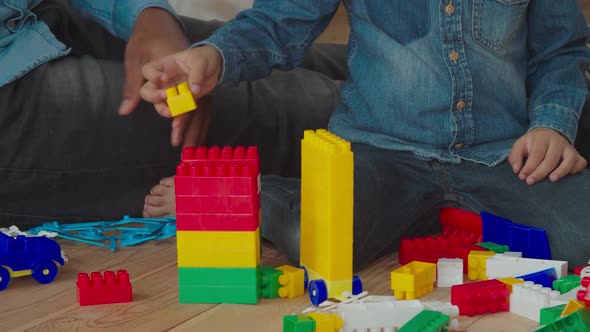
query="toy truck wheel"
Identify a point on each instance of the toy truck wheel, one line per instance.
(45, 271)
(4, 278)
(357, 285)
(318, 292)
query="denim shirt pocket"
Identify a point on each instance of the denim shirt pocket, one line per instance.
(497, 22)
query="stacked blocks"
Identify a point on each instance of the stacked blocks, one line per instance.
(180, 99)
(327, 214)
(96, 289)
(217, 218)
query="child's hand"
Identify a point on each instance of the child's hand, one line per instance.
(200, 67)
(547, 152)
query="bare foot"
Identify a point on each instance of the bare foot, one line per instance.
(160, 202)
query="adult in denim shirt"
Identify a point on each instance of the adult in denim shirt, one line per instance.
(65, 67)
(471, 103)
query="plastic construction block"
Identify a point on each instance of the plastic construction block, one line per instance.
(218, 249)
(578, 269)
(476, 264)
(298, 323)
(544, 278)
(457, 222)
(219, 285)
(269, 282)
(113, 288)
(218, 294)
(449, 272)
(427, 321)
(378, 316)
(292, 281)
(531, 241)
(550, 314)
(325, 322)
(527, 299)
(430, 249)
(566, 283)
(413, 280)
(578, 321)
(215, 162)
(22, 255)
(491, 246)
(217, 222)
(327, 177)
(180, 99)
(584, 293)
(510, 281)
(480, 297)
(500, 266)
(572, 306)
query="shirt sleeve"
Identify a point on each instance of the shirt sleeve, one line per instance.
(118, 16)
(270, 35)
(557, 60)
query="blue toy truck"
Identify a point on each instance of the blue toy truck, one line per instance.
(38, 256)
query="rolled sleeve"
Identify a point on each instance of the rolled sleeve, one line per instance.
(556, 117)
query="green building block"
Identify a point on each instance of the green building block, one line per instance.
(218, 294)
(551, 314)
(212, 276)
(427, 321)
(578, 321)
(269, 282)
(298, 323)
(566, 283)
(491, 246)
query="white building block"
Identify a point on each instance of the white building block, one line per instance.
(445, 308)
(566, 297)
(381, 316)
(449, 272)
(499, 266)
(512, 253)
(527, 299)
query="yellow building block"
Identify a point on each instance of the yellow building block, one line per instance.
(476, 264)
(180, 99)
(218, 249)
(327, 167)
(510, 281)
(413, 280)
(571, 307)
(292, 281)
(325, 322)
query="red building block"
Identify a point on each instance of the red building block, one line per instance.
(578, 269)
(457, 222)
(584, 294)
(430, 249)
(477, 298)
(217, 222)
(98, 290)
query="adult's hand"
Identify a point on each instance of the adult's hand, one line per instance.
(156, 34)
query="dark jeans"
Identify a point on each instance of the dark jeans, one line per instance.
(397, 195)
(66, 155)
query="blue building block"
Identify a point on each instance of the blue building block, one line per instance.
(545, 277)
(531, 241)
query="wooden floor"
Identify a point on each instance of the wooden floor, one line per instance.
(26, 305)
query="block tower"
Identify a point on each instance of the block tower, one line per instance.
(217, 220)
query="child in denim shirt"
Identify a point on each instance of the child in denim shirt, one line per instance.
(465, 103)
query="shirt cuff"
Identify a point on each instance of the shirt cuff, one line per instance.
(229, 60)
(556, 117)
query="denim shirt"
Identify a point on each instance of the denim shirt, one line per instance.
(446, 79)
(26, 43)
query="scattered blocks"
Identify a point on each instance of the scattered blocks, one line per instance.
(413, 280)
(550, 314)
(500, 266)
(180, 99)
(528, 299)
(113, 288)
(584, 293)
(572, 306)
(430, 249)
(427, 321)
(298, 323)
(480, 297)
(269, 282)
(544, 278)
(375, 316)
(292, 281)
(449, 272)
(510, 281)
(578, 321)
(325, 322)
(531, 241)
(476, 264)
(461, 223)
(491, 246)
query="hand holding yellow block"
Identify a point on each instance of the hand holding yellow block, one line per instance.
(180, 99)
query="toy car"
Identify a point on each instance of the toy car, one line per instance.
(38, 256)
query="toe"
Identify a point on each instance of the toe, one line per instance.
(159, 190)
(154, 200)
(157, 211)
(168, 182)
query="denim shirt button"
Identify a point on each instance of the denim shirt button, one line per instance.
(454, 56)
(458, 146)
(450, 9)
(460, 105)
